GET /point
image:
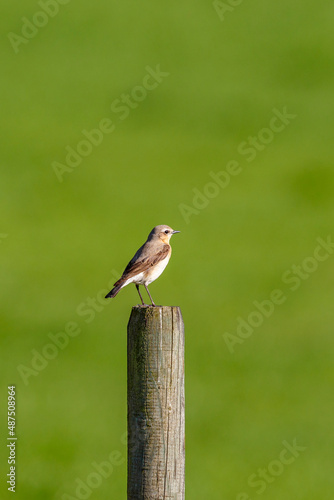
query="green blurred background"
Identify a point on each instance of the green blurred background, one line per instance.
(63, 242)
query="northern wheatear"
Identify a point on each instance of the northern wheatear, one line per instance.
(148, 262)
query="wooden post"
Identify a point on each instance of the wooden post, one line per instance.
(156, 450)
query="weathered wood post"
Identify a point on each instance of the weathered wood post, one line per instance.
(156, 452)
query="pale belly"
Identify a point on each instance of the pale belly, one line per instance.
(148, 276)
(155, 272)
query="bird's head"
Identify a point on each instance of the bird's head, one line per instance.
(162, 232)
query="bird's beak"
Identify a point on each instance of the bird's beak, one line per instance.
(176, 232)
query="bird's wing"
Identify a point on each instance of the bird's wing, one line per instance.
(136, 266)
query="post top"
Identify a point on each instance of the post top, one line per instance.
(140, 306)
(146, 312)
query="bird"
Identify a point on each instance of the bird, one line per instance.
(148, 263)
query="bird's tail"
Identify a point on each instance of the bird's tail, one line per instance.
(114, 291)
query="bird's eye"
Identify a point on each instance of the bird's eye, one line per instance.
(166, 232)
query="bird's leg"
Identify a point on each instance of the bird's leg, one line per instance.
(153, 304)
(141, 298)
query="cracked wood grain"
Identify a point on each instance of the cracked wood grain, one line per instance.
(156, 451)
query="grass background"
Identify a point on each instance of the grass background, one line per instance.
(66, 240)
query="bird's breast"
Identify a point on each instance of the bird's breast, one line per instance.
(155, 271)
